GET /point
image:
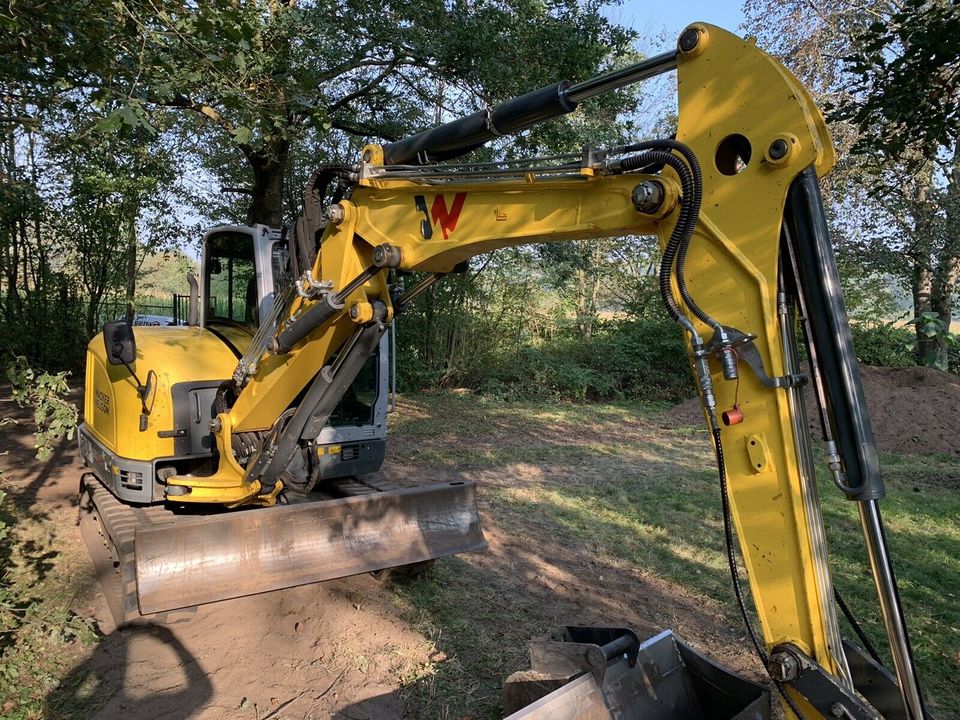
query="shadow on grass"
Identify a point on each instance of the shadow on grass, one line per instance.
(95, 688)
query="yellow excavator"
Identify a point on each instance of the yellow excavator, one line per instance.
(223, 426)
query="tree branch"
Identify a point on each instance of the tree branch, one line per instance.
(211, 113)
(360, 130)
(363, 90)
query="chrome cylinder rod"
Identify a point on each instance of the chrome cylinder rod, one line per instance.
(891, 609)
(808, 488)
(643, 70)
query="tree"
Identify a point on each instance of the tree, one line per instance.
(907, 111)
(269, 74)
(115, 206)
(906, 70)
(857, 59)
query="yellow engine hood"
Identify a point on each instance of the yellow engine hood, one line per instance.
(175, 355)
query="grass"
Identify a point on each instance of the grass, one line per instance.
(645, 497)
(40, 635)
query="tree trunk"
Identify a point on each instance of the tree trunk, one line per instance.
(934, 351)
(93, 310)
(269, 168)
(922, 286)
(131, 289)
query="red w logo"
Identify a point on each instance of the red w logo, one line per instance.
(447, 219)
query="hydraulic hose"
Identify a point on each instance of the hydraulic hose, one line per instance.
(674, 255)
(685, 223)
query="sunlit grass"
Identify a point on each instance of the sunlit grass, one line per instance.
(648, 496)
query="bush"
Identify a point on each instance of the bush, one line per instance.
(636, 359)
(647, 357)
(884, 345)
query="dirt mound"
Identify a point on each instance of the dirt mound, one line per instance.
(913, 410)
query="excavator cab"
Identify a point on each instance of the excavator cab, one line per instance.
(244, 269)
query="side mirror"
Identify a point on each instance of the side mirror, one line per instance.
(119, 342)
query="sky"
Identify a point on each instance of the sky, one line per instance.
(659, 22)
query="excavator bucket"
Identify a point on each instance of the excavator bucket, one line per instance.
(592, 673)
(166, 561)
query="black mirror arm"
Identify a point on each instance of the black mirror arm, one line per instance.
(142, 394)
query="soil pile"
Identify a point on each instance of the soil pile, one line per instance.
(912, 410)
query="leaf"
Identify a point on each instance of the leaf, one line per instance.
(111, 123)
(242, 135)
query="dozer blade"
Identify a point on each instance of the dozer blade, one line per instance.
(202, 560)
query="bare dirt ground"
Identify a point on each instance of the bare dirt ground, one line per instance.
(913, 410)
(346, 649)
(329, 650)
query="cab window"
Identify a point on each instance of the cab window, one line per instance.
(280, 265)
(356, 406)
(231, 280)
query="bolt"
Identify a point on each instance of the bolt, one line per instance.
(216, 425)
(648, 196)
(595, 657)
(689, 39)
(333, 214)
(367, 156)
(355, 312)
(387, 256)
(838, 710)
(783, 666)
(778, 149)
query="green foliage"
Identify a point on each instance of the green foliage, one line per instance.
(622, 359)
(883, 345)
(503, 330)
(34, 627)
(907, 70)
(54, 416)
(267, 80)
(164, 273)
(931, 326)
